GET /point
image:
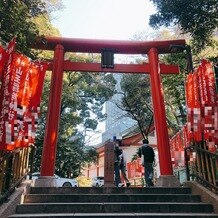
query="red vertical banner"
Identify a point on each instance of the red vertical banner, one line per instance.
(37, 76)
(2, 60)
(209, 102)
(177, 149)
(197, 109)
(189, 90)
(193, 107)
(216, 123)
(13, 119)
(172, 149)
(209, 82)
(180, 141)
(5, 93)
(22, 96)
(186, 142)
(202, 85)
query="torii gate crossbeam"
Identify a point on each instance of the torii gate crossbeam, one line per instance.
(95, 45)
(152, 48)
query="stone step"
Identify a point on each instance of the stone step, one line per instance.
(112, 202)
(54, 198)
(115, 215)
(109, 190)
(106, 207)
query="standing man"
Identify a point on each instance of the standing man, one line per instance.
(148, 153)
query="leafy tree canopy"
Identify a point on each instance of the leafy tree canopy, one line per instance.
(136, 90)
(135, 100)
(196, 17)
(21, 19)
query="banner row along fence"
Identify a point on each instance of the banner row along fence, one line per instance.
(201, 129)
(20, 96)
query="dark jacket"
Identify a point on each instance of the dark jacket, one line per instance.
(117, 153)
(148, 153)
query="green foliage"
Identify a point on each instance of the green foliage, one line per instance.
(173, 85)
(196, 17)
(174, 92)
(71, 156)
(136, 100)
(16, 19)
(27, 20)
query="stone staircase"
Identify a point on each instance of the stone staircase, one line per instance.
(112, 202)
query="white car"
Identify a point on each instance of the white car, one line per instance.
(61, 182)
(98, 181)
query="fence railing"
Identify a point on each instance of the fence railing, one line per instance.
(202, 166)
(14, 166)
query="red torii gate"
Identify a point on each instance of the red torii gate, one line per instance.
(154, 68)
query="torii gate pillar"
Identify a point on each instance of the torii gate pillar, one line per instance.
(51, 133)
(166, 179)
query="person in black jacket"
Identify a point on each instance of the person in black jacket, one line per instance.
(117, 160)
(149, 155)
(119, 165)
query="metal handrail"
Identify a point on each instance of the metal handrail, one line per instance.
(204, 169)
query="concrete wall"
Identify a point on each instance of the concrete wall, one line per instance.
(207, 196)
(9, 207)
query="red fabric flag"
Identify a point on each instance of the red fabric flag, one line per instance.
(2, 60)
(208, 97)
(18, 90)
(209, 86)
(22, 98)
(189, 90)
(197, 110)
(216, 123)
(32, 100)
(202, 85)
(172, 149)
(13, 118)
(193, 107)
(6, 128)
(186, 142)
(37, 76)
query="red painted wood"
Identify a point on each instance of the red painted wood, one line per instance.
(95, 45)
(159, 114)
(118, 68)
(53, 115)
